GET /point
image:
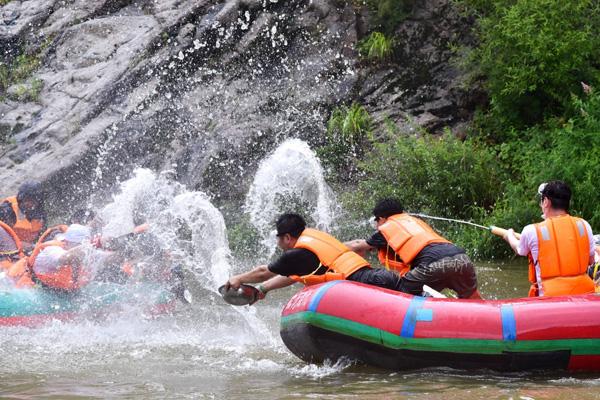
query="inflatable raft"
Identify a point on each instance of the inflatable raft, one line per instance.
(397, 331)
(36, 306)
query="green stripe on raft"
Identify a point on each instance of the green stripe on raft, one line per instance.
(450, 345)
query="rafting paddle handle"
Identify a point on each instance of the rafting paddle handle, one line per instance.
(501, 232)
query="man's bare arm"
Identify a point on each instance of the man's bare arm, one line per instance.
(512, 240)
(258, 274)
(359, 246)
(276, 282)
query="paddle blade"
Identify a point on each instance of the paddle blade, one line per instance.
(243, 296)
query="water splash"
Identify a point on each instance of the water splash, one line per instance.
(189, 227)
(186, 222)
(289, 180)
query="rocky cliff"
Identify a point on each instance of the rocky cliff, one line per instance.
(204, 88)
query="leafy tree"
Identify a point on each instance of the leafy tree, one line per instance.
(534, 54)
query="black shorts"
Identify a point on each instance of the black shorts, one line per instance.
(455, 272)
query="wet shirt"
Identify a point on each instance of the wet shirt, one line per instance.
(297, 262)
(431, 253)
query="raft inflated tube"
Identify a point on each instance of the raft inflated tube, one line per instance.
(393, 330)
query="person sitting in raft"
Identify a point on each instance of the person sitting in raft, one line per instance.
(560, 248)
(310, 257)
(421, 256)
(27, 209)
(57, 264)
(60, 265)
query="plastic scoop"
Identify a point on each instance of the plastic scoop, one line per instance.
(243, 296)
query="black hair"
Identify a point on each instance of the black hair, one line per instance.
(559, 194)
(387, 207)
(31, 190)
(290, 223)
(82, 216)
(7, 215)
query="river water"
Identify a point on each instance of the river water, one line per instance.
(215, 351)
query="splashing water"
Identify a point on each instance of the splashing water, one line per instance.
(186, 223)
(189, 227)
(289, 180)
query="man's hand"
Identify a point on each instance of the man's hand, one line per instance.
(233, 282)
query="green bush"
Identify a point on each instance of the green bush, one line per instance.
(348, 133)
(569, 152)
(444, 176)
(376, 47)
(534, 54)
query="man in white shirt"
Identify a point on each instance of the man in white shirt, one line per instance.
(559, 249)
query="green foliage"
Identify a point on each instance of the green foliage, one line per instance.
(376, 47)
(569, 152)
(30, 91)
(534, 54)
(3, 2)
(348, 133)
(443, 176)
(20, 70)
(244, 239)
(387, 14)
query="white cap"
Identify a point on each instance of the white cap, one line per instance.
(76, 233)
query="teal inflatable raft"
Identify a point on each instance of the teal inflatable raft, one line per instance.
(36, 306)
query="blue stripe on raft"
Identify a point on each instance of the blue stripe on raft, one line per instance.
(424, 315)
(314, 302)
(509, 324)
(410, 318)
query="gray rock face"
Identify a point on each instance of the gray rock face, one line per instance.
(205, 88)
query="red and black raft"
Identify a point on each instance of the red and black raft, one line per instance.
(387, 329)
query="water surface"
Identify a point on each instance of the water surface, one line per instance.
(214, 351)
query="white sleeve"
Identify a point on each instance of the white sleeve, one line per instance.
(528, 241)
(590, 237)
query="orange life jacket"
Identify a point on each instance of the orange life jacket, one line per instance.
(7, 258)
(67, 277)
(340, 261)
(407, 236)
(49, 231)
(20, 273)
(387, 258)
(563, 257)
(27, 231)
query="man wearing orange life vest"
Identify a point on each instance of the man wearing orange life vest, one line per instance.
(423, 257)
(58, 264)
(27, 209)
(559, 249)
(311, 256)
